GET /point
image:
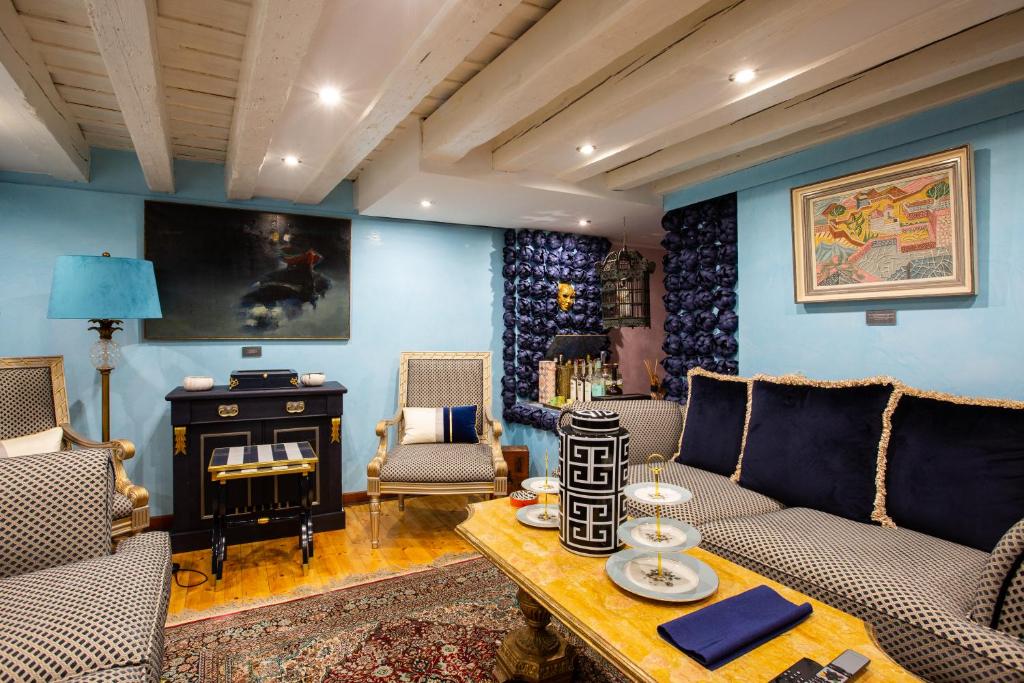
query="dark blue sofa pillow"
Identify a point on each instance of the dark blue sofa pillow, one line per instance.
(815, 444)
(716, 410)
(954, 468)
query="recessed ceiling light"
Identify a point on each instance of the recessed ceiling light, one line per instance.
(586, 148)
(330, 95)
(743, 76)
(426, 203)
(291, 160)
(584, 221)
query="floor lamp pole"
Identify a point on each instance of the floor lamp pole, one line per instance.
(105, 401)
(104, 358)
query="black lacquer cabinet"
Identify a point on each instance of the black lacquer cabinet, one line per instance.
(204, 420)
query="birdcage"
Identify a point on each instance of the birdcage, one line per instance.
(626, 289)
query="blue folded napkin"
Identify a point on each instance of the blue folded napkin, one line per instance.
(719, 633)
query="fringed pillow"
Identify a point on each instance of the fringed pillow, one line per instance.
(816, 444)
(713, 421)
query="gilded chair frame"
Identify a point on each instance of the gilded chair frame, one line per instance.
(491, 434)
(122, 449)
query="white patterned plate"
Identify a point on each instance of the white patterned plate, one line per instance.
(643, 533)
(682, 579)
(542, 515)
(542, 485)
(668, 494)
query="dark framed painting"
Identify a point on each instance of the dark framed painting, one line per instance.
(898, 231)
(238, 274)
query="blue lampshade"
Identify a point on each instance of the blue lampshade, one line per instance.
(103, 288)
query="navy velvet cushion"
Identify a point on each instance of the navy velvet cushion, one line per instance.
(955, 471)
(715, 412)
(815, 446)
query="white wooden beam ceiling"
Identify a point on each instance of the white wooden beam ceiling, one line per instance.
(125, 31)
(575, 39)
(991, 43)
(279, 35)
(33, 111)
(686, 91)
(457, 28)
(504, 91)
(889, 112)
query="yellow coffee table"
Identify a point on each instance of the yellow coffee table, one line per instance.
(623, 628)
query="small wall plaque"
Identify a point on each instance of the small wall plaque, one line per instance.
(881, 317)
(252, 352)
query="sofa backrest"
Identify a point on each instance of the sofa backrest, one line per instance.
(654, 426)
(55, 508)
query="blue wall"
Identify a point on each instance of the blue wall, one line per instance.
(969, 345)
(415, 286)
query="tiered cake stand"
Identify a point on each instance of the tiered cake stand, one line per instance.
(655, 565)
(543, 515)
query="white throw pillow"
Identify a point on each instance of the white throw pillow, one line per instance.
(421, 425)
(48, 441)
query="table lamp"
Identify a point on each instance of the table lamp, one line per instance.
(105, 291)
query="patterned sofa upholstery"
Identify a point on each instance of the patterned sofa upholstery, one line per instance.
(917, 592)
(70, 608)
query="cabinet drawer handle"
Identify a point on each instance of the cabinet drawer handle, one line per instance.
(228, 410)
(295, 406)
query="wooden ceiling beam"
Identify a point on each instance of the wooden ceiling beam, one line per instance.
(686, 90)
(945, 93)
(279, 35)
(994, 42)
(36, 112)
(455, 31)
(573, 40)
(126, 34)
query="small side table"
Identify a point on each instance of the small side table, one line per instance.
(263, 460)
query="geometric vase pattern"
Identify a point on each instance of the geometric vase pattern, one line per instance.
(593, 458)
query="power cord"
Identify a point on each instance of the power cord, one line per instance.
(177, 569)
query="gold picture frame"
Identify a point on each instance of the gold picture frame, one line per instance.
(903, 230)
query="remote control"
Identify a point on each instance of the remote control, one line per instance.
(800, 672)
(846, 667)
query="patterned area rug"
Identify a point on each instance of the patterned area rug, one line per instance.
(437, 626)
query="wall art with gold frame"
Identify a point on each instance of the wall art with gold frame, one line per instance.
(904, 230)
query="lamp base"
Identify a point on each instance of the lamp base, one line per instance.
(104, 356)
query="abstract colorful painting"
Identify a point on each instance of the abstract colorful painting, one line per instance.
(235, 274)
(904, 230)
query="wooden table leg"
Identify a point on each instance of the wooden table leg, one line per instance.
(534, 653)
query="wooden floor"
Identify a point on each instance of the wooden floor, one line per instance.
(257, 572)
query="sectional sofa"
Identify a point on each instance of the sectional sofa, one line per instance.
(902, 507)
(70, 607)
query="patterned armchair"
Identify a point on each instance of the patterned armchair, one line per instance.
(70, 608)
(435, 380)
(33, 398)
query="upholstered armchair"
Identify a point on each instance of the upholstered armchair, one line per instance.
(72, 608)
(33, 398)
(436, 380)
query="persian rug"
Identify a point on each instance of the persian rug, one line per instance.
(441, 625)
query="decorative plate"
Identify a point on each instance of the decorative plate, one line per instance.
(668, 494)
(542, 516)
(682, 579)
(643, 533)
(539, 485)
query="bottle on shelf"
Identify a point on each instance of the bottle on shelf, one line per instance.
(599, 379)
(573, 396)
(588, 380)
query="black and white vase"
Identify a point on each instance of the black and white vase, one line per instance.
(593, 457)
